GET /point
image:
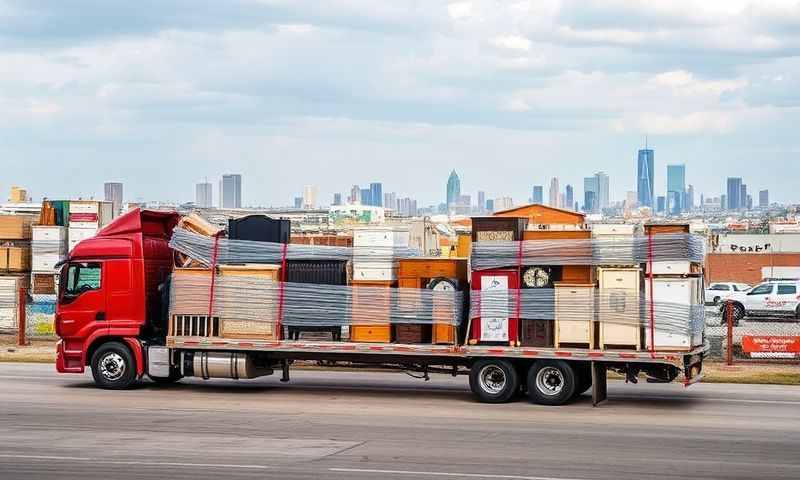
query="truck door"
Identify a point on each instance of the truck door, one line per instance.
(759, 298)
(786, 297)
(81, 308)
(121, 311)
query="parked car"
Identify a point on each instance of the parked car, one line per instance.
(719, 291)
(768, 298)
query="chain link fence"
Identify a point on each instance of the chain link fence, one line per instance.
(753, 338)
(39, 313)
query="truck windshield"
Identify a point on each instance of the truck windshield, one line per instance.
(80, 278)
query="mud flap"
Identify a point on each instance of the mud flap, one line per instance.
(599, 383)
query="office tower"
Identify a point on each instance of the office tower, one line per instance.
(113, 194)
(490, 205)
(743, 196)
(660, 204)
(453, 188)
(763, 198)
(407, 207)
(337, 199)
(309, 197)
(568, 194)
(688, 204)
(366, 196)
(230, 191)
(298, 202)
(749, 202)
(676, 188)
(376, 194)
(481, 201)
(602, 191)
(554, 191)
(538, 194)
(734, 194)
(644, 176)
(503, 203)
(202, 195)
(630, 199)
(355, 195)
(590, 194)
(723, 202)
(390, 200)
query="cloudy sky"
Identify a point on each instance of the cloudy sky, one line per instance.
(161, 94)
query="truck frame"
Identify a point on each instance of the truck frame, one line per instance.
(116, 324)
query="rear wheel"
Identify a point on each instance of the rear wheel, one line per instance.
(716, 300)
(583, 380)
(551, 382)
(113, 366)
(493, 380)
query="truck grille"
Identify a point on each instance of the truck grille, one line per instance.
(195, 326)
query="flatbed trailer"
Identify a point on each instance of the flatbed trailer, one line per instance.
(109, 318)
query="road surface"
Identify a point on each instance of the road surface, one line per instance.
(344, 425)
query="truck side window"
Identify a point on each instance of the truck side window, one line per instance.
(82, 277)
(787, 289)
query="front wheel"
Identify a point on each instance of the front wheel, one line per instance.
(113, 366)
(551, 382)
(493, 380)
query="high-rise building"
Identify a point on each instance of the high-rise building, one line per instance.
(230, 191)
(661, 204)
(390, 200)
(688, 204)
(453, 188)
(538, 194)
(734, 193)
(490, 205)
(407, 207)
(568, 196)
(602, 191)
(590, 194)
(676, 188)
(376, 194)
(553, 194)
(113, 194)
(337, 199)
(763, 198)
(503, 203)
(743, 196)
(630, 199)
(202, 195)
(723, 202)
(355, 195)
(309, 197)
(298, 202)
(366, 196)
(481, 201)
(749, 202)
(645, 177)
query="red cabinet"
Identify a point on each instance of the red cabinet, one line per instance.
(495, 298)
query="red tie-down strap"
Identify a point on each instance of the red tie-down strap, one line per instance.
(652, 311)
(514, 331)
(214, 254)
(279, 320)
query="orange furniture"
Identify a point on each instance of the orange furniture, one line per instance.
(371, 311)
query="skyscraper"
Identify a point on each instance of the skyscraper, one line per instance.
(390, 200)
(734, 196)
(309, 197)
(688, 204)
(644, 176)
(602, 190)
(230, 191)
(554, 191)
(366, 196)
(763, 198)
(453, 188)
(481, 201)
(355, 195)
(590, 194)
(202, 195)
(538, 194)
(676, 188)
(337, 198)
(568, 194)
(743, 196)
(113, 194)
(376, 194)
(660, 204)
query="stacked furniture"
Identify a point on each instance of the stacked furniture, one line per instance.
(319, 272)
(15, 264)
(433, 273)
(48, 248)
(676, 290)
(259, 228)
(374, 267)
(85, 218)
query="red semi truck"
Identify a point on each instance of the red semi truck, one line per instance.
(112, 317)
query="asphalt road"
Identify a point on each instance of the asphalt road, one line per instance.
(346, 425)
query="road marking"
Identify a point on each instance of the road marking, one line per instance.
(444, 474)
(135, 462)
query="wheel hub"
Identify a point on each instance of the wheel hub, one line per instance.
(112, 366)
(550, 381)
(492, 379)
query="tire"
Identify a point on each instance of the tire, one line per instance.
(583, 380)
(716, 300)
(738, 313)
(493, 380)
(551, 382)
(113, 366)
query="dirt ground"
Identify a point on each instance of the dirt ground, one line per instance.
(42, 350)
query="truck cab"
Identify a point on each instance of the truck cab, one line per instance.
(109, 301)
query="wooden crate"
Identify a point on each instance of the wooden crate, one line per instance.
(15, 227)
(15, 258)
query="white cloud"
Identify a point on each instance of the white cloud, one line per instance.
(511, 42)
(460, 10)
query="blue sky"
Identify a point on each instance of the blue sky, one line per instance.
(162, 94)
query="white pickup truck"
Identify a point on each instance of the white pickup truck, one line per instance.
(771, 298)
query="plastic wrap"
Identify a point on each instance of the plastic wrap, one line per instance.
(596, 251)
(261, 300)
(201, 248)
